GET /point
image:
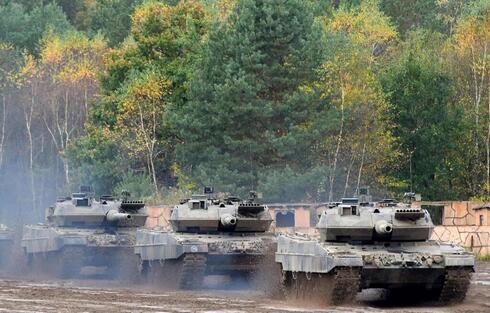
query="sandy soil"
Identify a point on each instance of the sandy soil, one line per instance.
(31, 295)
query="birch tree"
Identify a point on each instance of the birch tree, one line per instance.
(143, 104)
(68, 68)
(471, 68)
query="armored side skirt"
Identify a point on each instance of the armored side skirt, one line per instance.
(223, 252)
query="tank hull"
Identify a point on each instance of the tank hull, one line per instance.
(194, 256)
(393, 265)
(224, 252)
(70, 250)
(6, 243)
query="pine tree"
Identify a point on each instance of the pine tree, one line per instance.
(250, 95)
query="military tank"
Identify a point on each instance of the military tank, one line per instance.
(81, 231)
(6, 242)
(365, 245)
(208, 236)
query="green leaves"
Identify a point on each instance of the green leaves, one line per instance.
(24, 28)
(424, 124)
(246, 94)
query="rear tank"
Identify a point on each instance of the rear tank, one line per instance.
(6, 243)
(208, 236)
(373, 245)
(81, 232)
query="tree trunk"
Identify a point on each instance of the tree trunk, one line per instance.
(487, 187)
(28, 111)
(478, 83)
(4, 119)
(339, 143)
(346, 186)
(154, 176)
(359, 175)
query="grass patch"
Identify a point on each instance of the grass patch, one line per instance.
(483, 257)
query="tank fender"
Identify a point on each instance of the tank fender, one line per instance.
(308, 255)
(157, 245)
(466, 259)
(36, 239)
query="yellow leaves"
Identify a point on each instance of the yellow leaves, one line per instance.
(184, 182)
(153, 21)
(142, 105)
(147, 91)
(116, 58)
(72, 59)
(223, 8)
(365, 26)
(29, 68)
(472, 33)
(6, 46)
(348, 74)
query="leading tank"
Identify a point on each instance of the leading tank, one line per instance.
(6, 242)
(373, 245)
(208, 235)
(81, 231)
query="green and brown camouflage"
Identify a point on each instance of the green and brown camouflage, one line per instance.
(374, 245)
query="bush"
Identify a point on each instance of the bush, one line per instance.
(139, 185)
(287, 185)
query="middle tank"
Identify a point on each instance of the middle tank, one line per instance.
(208, 236)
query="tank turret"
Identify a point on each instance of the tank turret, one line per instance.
(206, 214)
(83, 210)
(381, 221)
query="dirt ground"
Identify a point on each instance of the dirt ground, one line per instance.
(35, 295)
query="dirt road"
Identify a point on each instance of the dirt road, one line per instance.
(25, 295)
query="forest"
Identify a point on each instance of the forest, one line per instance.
(301, 100)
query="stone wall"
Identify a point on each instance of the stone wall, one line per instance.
(460, 221)
(475, 238)
(158, 216)
(461, 213)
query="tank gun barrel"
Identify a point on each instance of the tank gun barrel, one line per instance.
(114, 216)
(383, 227)
(228, 220)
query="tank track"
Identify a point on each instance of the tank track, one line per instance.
(70, 262)
(346, 282)
(193, 268)
(337, 287)
(456, 285)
